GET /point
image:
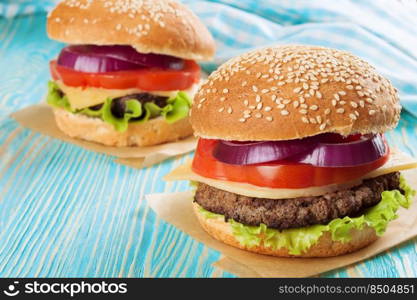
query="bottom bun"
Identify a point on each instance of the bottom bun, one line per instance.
(325, 247)
(152, 132)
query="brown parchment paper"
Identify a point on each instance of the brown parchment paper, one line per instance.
(40, 118)
(176, 209)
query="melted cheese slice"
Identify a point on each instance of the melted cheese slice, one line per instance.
(398, 161)
(80, 97)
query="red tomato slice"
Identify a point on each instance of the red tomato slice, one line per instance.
(147, 79)
(276, 175)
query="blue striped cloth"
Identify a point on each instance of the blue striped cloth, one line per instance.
(382, 32)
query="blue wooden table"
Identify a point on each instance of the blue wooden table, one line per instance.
(65, 211)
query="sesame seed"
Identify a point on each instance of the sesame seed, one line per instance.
(269, 118)
(342, 93)
(297, 90)
(323, 126)
(246, 102)
(318, 118)
(362, 103)
(349, 87)
(352, 116)
(281, 106)
(369, 100)
(318, 95)
(305, 120)
(337, 97)
(222, 99)
(258, 98)
(264, 91)
(284, 112)
(314, 107)
(254, 88)
(229, 110)
(353, 104)
(221, 109)
(313, 120)
(327, 111)
(372, 112)
(340, 110)
(303, 111)
(258, 115)
(295, 104)
(242, 120)
(225, 91)
(259, 106)
(267, 108)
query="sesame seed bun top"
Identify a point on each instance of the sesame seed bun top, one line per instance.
(291, 92)
(150, 26)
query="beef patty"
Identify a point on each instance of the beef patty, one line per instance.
(118, 105)
(297, 212)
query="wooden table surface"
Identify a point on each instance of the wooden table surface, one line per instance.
(65, 211)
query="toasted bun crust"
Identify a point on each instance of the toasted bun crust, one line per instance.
(291, 92)
(325, 247)
(157, 26)
(152, 132)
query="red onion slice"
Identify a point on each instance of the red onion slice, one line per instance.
(367, 149)
(325, 150)
(247, 153)
(99, 59)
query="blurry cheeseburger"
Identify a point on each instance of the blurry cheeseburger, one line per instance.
(292, 160)
(129, 74)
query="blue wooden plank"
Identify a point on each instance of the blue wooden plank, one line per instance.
(65, 211)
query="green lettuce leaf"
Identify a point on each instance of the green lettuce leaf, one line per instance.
(55, 98)
(299, 240)
(177, 108)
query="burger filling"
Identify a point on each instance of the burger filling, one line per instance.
(298, 212)
(120, 111)
(300, 239)
(120, 85)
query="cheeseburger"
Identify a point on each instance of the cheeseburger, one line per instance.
(129, 73)
(292, 158)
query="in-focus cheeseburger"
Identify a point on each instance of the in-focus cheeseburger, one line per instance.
(292, 158)
(129, 73)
